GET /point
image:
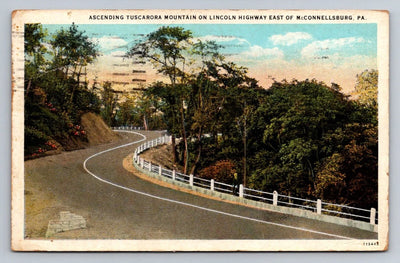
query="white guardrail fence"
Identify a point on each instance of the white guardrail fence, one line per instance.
(317, 206)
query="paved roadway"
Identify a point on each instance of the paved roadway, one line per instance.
(120, 205)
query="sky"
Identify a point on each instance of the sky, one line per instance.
(327, 52)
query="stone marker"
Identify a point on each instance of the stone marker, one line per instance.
(68, 221)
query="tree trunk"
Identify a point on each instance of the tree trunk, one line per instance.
(75, 86)
(145, 122)
(28, 88)
(185, 154)
(66, 73)
(245, 152)
(174, 154)
(192, 171)
(79, 75)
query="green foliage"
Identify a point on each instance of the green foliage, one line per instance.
(55, 97)
(166, 49)
(109, 100)
(311, 141)
(301, 138)
(72, 48)
(366, 88)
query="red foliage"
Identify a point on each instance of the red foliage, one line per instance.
(76, 130)
(221, 171)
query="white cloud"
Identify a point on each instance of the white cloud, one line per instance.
(259, 52)
(223, 39)
(318, 47)
(290, 38)
(109, 43)
(119, 53)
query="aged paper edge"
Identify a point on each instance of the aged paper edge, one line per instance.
(18, 243)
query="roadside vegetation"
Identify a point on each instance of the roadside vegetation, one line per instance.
(56, 89)
(301, 138)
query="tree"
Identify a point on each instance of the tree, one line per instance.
(54, 99)
(169, 106)
(72, 52)
(310, 140)
(220, 92)
(38, 114)
(204, 92)
(366, 89)
(35, 50)
(109, 99)
(127, 112)
(350, 174)
(165, 49)
(293, 120)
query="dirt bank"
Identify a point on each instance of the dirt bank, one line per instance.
(97, 131)
(161, 155)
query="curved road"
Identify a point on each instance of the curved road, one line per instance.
(119, 205)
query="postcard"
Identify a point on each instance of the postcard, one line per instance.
(200, 130)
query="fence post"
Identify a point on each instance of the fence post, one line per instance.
(212, 185)
(149, 166)
(319, 206)
(373, 216)
(173, 174)
(160, 170)
(191, 179)
(138, 159)
(142, 163)
(275, 198)
(241, 190)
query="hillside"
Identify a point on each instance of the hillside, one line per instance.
(97, 132)
(92, 131)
